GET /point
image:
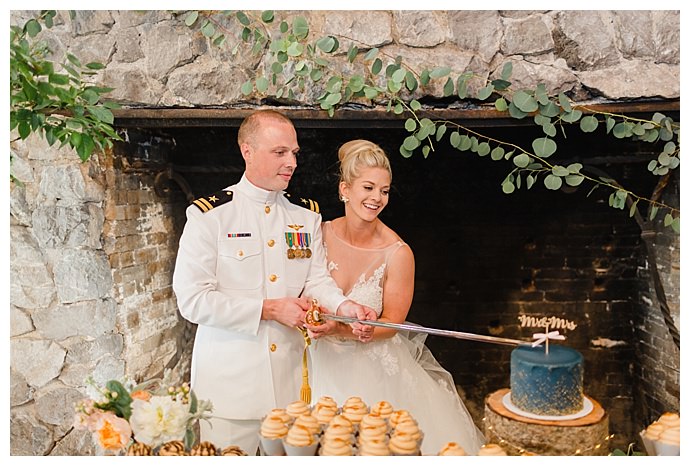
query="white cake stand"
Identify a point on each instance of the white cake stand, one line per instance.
(587, 408)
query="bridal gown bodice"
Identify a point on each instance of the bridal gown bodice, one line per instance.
(400, 369)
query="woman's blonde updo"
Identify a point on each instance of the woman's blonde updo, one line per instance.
(358, 154)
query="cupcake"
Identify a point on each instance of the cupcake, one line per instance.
(232, 450)
(452, 449)
(299, 441)
(383, 409)
(402, 444)
(341, 421)
(669, 420)
(409, 427)
(398, 416)
(282, 414)
(336, 447)
(204, 449)
(326, 401)
(337, 433)
(491, 449)
(354, 409)
(297, 408)
(324, 413)
(373, 424)
(172, 448)
(310, 422)
(374, 447)
(272, 431)
(668, 443)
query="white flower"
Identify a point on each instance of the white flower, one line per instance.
(158, 420)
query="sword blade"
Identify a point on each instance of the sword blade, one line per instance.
(427, 330)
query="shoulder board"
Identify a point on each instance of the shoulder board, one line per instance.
(216, 199)
(303, 202)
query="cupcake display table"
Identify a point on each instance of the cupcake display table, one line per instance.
(519, 435)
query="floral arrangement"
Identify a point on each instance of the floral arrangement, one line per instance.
(151, 413)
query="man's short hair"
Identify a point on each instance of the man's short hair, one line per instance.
(253, 122)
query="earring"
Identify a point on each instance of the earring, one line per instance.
(344, 199)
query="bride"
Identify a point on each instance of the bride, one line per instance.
(374, 267)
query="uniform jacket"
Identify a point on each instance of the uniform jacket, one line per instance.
(231, 257)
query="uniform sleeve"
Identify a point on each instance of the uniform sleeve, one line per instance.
(320, 284)
(195, 282)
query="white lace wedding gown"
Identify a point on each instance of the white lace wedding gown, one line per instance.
(400, 369)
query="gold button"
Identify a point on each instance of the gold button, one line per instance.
(267, 209)
(240, 253)
(273, 347)
(273, 277)
(271, 243)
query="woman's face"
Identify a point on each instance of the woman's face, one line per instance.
(368, 194)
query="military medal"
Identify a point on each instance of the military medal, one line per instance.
(291, 253)
(308, 251)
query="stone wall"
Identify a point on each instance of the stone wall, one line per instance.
(90, 251)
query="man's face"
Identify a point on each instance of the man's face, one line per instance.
(271, 155)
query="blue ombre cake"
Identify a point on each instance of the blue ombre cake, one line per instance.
(546, 384)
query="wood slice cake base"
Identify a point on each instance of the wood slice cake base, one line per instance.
(519, 435)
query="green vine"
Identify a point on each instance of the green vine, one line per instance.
(293, 57)
(60, 106)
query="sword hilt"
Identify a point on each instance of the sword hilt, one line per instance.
(313, 316)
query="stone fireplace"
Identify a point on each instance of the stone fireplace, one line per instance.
(93, 244)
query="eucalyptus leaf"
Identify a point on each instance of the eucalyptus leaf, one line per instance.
(352, 53)
(425, 151)
(448, 88)
(559, 170)
(425, 77)
(507, 70)
(574, 167)
(284, 26)
(544, 147)
(191, 18)
(500, 84)
(549, 110)
(485, 92)
(653, 211)
(371, 54)
(300, 27)
(521, 160)
(376, 66)
(542, 96)
(633, 208)
(552, 182)
(483, 149)
(589, 124)
(668, 219)
(440, 131)
(411, 143)
(549, 129)
(208, 29)
(405, 153)
(410, 82)
(455, 139)
(440, 72)
(398, 109)
(508, 187)
(415, 105)
(465, 143)
(652, 165)
(399, 75)
(462, 88)
(247, 87)
(267, 16)
(564, 102)
(574, 180)
(525, 102)
(501, 104)
(572, 116)
(515, 112)
(295, 49)
(530, 181)
(676, 225)
(242, 18)
(497, 153)
(410, 125)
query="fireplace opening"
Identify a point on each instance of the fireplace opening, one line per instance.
(482, 257)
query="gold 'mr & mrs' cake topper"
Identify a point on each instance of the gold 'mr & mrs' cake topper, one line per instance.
(548, 323)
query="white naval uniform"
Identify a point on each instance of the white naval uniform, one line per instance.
(230, 259)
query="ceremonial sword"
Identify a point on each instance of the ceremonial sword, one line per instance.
(318, 317)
